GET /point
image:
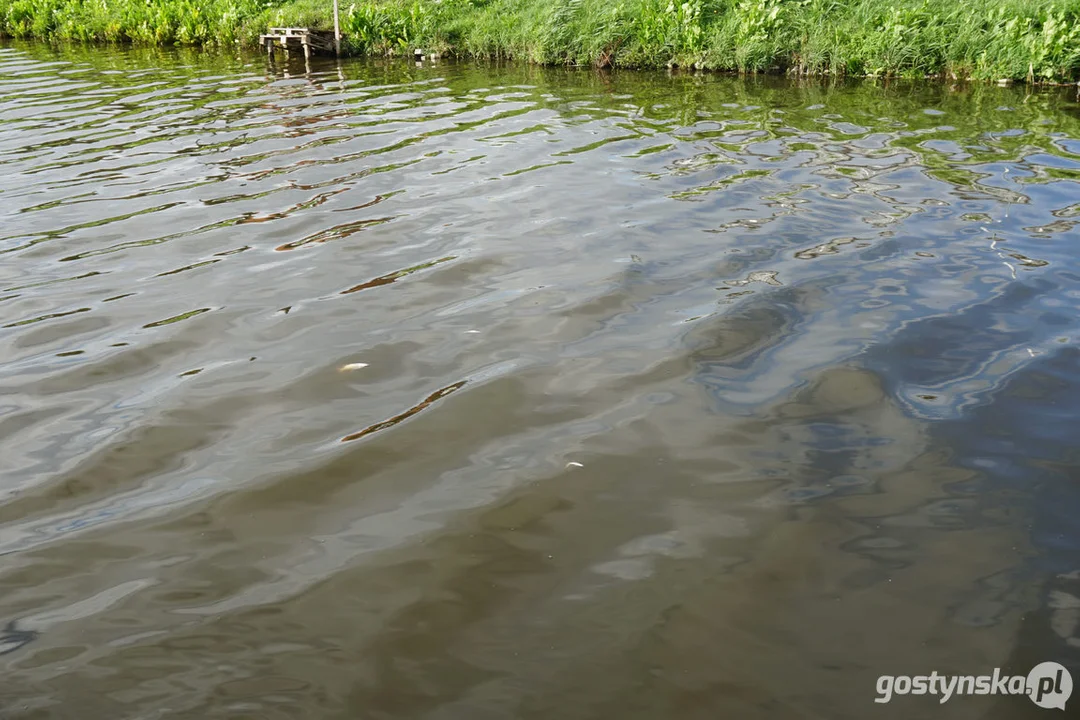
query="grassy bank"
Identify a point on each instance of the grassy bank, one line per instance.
(1034, 40)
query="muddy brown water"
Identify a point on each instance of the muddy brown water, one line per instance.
(456, 391)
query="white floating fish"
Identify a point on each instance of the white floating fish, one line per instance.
(352, 366)
(574, 464)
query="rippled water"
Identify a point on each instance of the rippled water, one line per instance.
(480, 392)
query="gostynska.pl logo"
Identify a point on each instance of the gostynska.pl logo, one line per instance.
(1049, 685)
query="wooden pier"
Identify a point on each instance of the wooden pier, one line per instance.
(310, 42)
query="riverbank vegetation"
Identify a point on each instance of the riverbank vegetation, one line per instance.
(1032, 40)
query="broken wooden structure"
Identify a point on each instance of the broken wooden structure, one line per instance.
(305, 39)
(310, 42)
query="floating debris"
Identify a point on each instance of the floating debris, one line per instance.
(352, 366)
(386, 424)
(762, 276)
(574, 464)
(11, 638)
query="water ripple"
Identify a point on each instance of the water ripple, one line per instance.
(429, 391)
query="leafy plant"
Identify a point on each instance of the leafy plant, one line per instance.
(1037, 40)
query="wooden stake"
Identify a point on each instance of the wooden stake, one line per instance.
(337, 31)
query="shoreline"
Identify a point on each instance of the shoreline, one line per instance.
(1035, 42)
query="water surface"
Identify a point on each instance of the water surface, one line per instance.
(382, 391)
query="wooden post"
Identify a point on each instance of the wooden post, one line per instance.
(337, 31)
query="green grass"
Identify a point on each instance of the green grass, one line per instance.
(1034, 40)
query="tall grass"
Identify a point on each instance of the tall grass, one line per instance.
(1036, 40)
(160, 22)
(155, 22)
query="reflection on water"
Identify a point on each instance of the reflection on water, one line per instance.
(445, 392)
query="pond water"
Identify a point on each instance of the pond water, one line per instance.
(458, 391)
